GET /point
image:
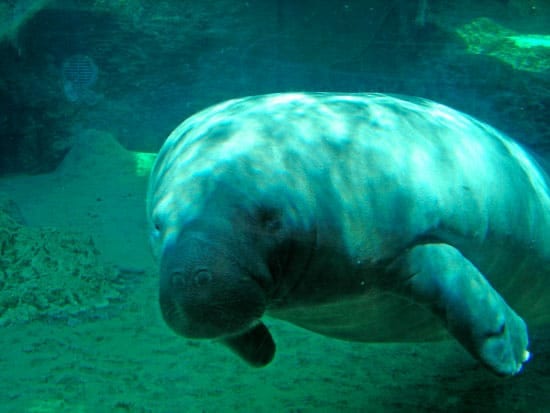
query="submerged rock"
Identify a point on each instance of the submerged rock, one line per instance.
(46, 273)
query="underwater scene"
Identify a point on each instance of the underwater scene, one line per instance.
(274, 206)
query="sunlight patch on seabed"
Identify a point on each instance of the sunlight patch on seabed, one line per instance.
(528, 52)
(144, 162)
(531, 40)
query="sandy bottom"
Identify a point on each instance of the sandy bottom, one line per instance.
(128, 360)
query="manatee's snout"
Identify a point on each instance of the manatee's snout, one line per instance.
(205, 292)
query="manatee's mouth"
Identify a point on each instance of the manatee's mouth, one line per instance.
(209, 294)
(209, 316)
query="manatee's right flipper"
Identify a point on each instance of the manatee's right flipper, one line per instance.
(255, 346)
(439, 276)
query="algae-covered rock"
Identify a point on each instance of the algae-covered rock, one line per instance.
(53, 274)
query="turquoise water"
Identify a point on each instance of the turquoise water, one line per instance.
(91, 90)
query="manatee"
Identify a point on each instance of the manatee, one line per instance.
(365, 217)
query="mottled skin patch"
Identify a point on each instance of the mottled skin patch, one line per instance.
(365, 217)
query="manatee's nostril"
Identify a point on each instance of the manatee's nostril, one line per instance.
(178, 280)
(202, 277)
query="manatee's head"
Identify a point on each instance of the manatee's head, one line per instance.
(216, 282)
(207, 287)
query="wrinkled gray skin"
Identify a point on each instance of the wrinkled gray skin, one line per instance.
(365, 217)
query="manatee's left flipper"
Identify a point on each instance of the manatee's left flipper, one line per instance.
(439, 276)
(255, 346)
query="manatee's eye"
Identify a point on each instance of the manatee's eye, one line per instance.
(154, 236)
(157, 224)
(270, 219)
